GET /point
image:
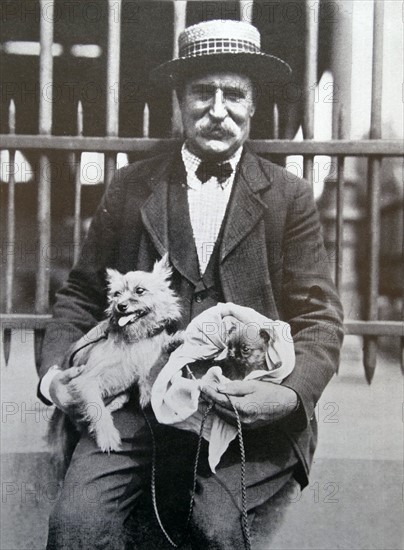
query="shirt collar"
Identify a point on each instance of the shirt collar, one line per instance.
(191, 163)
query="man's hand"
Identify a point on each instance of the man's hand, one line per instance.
(258, 403)
(61, 394)
(64, 399)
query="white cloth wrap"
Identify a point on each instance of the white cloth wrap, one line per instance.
(175, 398)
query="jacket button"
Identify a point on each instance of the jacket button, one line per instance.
(198, 299)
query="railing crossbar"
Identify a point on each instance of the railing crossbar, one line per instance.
(346, 148)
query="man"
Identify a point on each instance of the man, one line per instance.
(237, 229)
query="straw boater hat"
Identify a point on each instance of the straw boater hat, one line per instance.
(221, 45)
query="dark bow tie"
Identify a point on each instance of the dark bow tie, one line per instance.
(207, 170)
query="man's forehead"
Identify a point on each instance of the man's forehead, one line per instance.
(220, 79)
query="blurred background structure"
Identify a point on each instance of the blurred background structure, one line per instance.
(76, 104)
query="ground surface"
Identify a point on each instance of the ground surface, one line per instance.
(355, 497)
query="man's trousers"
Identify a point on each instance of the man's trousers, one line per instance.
(102, 493)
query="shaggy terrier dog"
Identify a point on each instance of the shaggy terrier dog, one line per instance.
(127, 349)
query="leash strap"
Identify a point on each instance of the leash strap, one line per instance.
(244, 512)
(75, 352)
(153, 479)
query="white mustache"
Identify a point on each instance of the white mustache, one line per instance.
(228, 128)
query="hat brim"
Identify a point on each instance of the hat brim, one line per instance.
(260, 67)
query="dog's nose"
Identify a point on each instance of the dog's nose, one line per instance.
(122, 307)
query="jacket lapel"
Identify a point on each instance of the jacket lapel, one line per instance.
(154, 210)
(246, 207)
(183, 254)
(245, 266)
(165, 215)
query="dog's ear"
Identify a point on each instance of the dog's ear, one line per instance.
(113, 277)
(267, 334)
(163, 268)
(232, 328)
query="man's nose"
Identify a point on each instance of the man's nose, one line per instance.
(218, 110)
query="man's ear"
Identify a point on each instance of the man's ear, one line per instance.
(254, 99)
(163, 268)
(179, 90)
(253, 108)
(179, 95)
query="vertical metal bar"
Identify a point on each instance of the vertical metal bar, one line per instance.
(10, 215)
(45, 128)
(340, 204)
(402, 293)
(308, 164)
(370, 342)
(377, 70)
(276, 122)
(402, 296)
(77, 188)
(146, 121)
(180, 15)
(46, 67)
(246, 10)
(310, 80)
(39, 335)
(6, 343)
(113, 80)
(339, 259)
(341, 60)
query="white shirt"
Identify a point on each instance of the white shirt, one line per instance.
(207, 204)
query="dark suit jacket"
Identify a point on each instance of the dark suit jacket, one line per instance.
(271, 259)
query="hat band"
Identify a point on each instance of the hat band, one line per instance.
(218, 45)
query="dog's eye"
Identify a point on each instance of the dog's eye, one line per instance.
(116, 294)
(245, 349)
(140, 290)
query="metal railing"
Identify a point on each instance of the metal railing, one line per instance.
(374, 149)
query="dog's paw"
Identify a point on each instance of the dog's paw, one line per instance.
(74, 372)
(145, 396)
(108, 439)
(118, 402)
(175, 341)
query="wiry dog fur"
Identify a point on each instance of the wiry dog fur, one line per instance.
(138, 337)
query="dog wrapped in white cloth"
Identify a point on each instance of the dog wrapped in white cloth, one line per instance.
(176, 396)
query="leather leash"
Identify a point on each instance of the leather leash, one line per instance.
(244, 513)
(75, 352)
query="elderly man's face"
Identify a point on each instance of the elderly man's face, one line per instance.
(216, 111)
